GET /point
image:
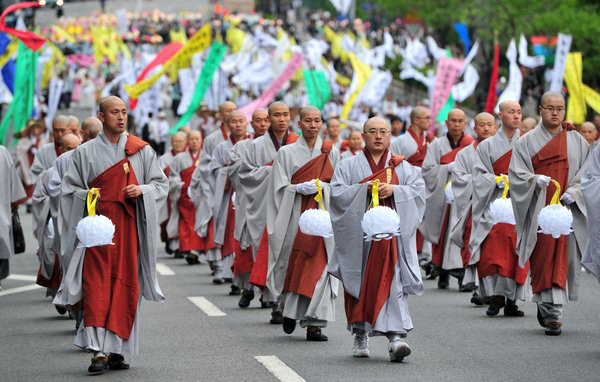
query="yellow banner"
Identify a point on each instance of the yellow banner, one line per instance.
(592, 98)
(573, 77)
(362, 73)
(11, 49)
(198, 42)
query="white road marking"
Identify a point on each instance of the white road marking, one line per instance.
(163, 270)
(25, 288)
(207, 307)
(279, 369)
(22, 277)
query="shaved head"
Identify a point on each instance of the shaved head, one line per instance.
(589, 132)
(194, 140)
(508, 104)
(456, 124)
(377, 135)
(113, 115)
(308, 109)
(60, 127)
(483, 116)
(106, 102)
(528, 124)
(277, 105)
(91, 127)
(418, 111)
(69, 142)
(178, 142)
(549, 95)
(60, 120)
(375, 121)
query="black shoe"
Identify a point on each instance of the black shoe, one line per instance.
(60, 309)
(476, 299)
(228, 280)
(235, 291)
(168, 248)
(267, 304)
(289, 325)
(276, 318)
(191, 258)
(434, 272)
(495, 306)
(553, 328)
(117, 362)
(178, 255)
(464, 288)
(247, 296)
(487, 300)
(29, 208)
(512, 310)
(444, 281)
(98, 365)
(314, 334)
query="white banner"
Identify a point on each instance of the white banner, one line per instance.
(513, 89)
(560, 61)
(525, 59)
(54, 91)
(342, 6)
(188, 85)
(464, 89)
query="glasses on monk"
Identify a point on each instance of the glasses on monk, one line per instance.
(426, 117)
(552, 109)
(381, 132)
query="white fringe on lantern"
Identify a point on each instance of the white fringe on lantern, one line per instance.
(380, 223)
(555, 220)
(316, 222)
(501, 211)
(96, 230)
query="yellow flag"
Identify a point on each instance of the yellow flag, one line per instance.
(235, 38)
(10, 51)
(573, 77)
(592, 98)
(198, 42)
(63, 35)
(362, 72)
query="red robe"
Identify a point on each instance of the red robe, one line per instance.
(437, 250)
(308, 257)
(110, 272)
(382, 259)
(498, 254)
(550, 257)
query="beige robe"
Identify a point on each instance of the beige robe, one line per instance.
(528, 199)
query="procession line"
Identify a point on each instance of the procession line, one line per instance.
(25, 288)
(207, 306)
(163, 270)
(22, 277)
(279, 369)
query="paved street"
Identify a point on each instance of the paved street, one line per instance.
(452, 340)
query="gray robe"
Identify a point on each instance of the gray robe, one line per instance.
(590, 187)
(348, 205)
(283, 212)
(89, 161)
(236, 158)
(405, 145)
(165, 161)
(11, 191)
(462, 188)
(528, 199)
(43, 216)
(44, 159)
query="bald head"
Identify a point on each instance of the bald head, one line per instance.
(279, 118)
(260, 122)
(108, 102)
(589, 132)
(309, 109)
(178, 142)
(194, 140)
(484, 116)
(237, 124)
(69, 142)
(376, 134)
(485, 126)
(225, 109)
(552, 110)
(91, 127)
(278, 105)
(456, 124)
(355, 141)
(528, 124)
(60, 127)
(510, 114)
(113, 115)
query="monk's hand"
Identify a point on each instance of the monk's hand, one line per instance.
(307, 188)
(566, 198)
(543, 181)
(133, 191)
(385, 190)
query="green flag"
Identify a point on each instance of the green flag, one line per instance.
(317, 88)
(217, 52)
(21, 107)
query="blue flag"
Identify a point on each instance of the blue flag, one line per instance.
(463, 33)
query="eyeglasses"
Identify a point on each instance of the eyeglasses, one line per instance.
(427, 117)
(552, 109)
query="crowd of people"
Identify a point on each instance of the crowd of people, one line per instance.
(232, 194)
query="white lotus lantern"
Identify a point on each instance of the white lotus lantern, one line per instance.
(94, 230)
(555, 219)
(380, 222)
(501, 210)
(316, 221)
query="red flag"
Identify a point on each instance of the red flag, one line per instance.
(491, 99)
(32, 40)
(163, 56)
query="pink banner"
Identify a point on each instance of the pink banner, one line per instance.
(274, 88)
(448, 70)
(80, 59)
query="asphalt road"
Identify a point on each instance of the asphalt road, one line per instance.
(452, 340)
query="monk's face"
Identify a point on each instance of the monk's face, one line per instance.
(178, 143)
(310, 124)
(58, 131)
(377, 135)
(225, 109)
(553, 112)
(114, 118)
(279, 117)
(511, 115)
(485, 127)
(333, 129)
(456, 123)
(588, 130)
(260, 122)
(422, 119)
(356, 141)
(76, 130)
(195, 141)
(237, 125)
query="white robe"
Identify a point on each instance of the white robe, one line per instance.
(590, 187)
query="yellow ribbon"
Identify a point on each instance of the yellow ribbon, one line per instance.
(375, 193)
(449, 184)
(319, 196)
(556, 197)
(92, 199)
(506, 185)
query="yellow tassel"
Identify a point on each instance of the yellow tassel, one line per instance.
(92, 199)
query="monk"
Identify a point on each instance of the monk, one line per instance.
(355, 144)
(201, 191)
(493, 246)
(462, 188)
(589, 132)
(178, 145)
(298, 262)
(377, 276)
(253, 174)
(551, 151)
(47, 154)
(182, 220)
(413, 146)
(30, 141)
(590, 187)
(74, 127)
(527, 125)
(446, 258)
(110, 280)
(45, 212)
(90, 128)
(13, 194)
(244, 257)
(333, 134)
